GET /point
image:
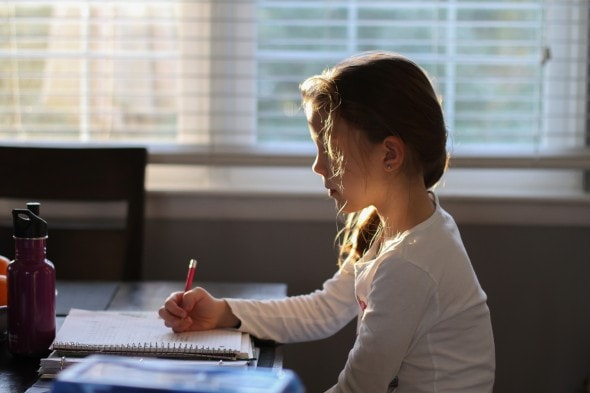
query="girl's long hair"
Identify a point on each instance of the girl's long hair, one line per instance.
(381, 94)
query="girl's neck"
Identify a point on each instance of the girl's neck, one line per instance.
(405, 212)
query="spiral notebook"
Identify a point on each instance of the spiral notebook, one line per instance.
(144, 334)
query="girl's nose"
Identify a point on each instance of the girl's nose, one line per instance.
(319, 166)
(314, 166)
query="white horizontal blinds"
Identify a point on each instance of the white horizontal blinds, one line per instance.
(296, 39)
(89, 70)
(218, 72)
(566, 100)
(486, 58)
(140, 71)
(493, 75)
(226, 72)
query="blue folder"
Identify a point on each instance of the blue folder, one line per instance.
(105, 374)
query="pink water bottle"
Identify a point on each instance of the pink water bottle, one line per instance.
(31, 288)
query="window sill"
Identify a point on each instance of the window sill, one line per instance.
(295, 193)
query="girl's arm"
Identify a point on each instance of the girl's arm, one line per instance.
(293, 319)
(399, 304)
(301, 318)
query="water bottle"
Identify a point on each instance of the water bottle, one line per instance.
(31, 287)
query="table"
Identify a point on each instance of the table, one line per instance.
(18, 375)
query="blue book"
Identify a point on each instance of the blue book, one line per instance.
(105, 374)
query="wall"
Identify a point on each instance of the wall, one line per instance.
(537, 279)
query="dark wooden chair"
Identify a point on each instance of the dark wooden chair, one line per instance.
(108, 181)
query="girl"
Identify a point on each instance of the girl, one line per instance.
(423, 322)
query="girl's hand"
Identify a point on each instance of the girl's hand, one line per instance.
(196, 310)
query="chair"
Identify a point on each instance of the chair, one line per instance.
(106, 179)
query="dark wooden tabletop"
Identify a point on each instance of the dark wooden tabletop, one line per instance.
(17, 375)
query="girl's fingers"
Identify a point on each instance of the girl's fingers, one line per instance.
(178, 325)
(173, 305)
(179, 305)
(183, 325)
(188, 301)
(167, 316)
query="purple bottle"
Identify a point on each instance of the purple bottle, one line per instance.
(31, 287)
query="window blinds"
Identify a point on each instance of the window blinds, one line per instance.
(142, 71)
(511, 74)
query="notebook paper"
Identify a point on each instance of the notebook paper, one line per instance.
(143, 333)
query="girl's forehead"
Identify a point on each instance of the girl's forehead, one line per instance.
(317, 115)
(314, 119)
(310, 112)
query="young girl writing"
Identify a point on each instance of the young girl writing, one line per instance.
(423, 322)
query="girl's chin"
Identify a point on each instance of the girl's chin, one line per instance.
(344, 207)
(341, 206)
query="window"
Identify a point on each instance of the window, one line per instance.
(511, 73)
(221, 74)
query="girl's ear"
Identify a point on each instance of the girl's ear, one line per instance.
(395, 150)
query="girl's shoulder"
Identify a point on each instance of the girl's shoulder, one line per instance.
(434, 247)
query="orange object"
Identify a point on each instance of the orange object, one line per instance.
(4, 264)
(3, 290)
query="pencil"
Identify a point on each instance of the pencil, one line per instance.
(192, 265)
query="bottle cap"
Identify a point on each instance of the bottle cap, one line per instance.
(28, 225)
(35, 207)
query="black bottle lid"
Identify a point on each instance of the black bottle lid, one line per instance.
(35, 207)
(28, 225)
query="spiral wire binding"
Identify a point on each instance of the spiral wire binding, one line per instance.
(145, 349)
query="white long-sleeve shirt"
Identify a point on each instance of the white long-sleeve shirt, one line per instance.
(423, 322)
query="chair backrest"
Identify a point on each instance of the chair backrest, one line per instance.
(88, 175)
